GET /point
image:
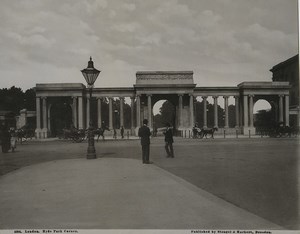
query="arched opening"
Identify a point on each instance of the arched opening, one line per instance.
(60, 117)
(164, 112)
(264, 114)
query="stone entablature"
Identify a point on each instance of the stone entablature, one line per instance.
(164, 77)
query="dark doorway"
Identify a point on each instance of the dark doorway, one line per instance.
(60, 117)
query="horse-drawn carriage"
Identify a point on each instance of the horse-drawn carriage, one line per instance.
(24, 133)
(280, 130)
(74, 134)
(79, 135)
(203, 132)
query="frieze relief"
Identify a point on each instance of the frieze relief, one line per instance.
(165, 77)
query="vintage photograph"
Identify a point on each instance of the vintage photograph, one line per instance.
(132, 116)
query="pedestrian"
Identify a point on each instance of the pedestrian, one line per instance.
(13, 139)
(169, 141)
(122, 132)
(144, 133)
(5, 139)
(115, 134)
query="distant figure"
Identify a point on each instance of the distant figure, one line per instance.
(115, 134)
(13, 139)
(154, 131)
(122, 132)
(169, 141)
(144, 133)
(5, 139)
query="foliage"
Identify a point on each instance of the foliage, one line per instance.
(14, 99)
(167, 115)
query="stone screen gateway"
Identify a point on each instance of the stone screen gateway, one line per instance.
(151, 87)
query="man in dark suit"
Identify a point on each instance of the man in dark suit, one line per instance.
(169, 141)
(144, 133)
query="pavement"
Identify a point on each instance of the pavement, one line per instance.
(113, 193)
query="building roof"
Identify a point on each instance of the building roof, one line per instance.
(284, 63)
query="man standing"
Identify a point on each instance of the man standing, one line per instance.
(169, 141)
(144, 133)
(122, 132)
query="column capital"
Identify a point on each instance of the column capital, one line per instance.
(215, 97)
(138, 95)
(121, 98)
(191, 95)
(99, 98)
(225, 96)
(251, 95)
(180, 94)
(149, 95)
(204, 97)
(44, 98)
(237, 97)
(281, 95)
(74, 97)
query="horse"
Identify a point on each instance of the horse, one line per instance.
(100, 132)
(206, 131)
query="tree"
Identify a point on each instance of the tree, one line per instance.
(166, 115)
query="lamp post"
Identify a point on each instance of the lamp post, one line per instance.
(90, 74)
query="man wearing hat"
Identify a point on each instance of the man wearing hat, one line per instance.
(169, 141)
(144, 133)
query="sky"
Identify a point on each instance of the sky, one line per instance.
(225, 42)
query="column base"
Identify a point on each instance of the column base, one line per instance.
(248, 130)
(44, 133)
(38, 133)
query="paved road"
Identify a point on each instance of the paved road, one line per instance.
(258, 175)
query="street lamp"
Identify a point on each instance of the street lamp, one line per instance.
(90, 74)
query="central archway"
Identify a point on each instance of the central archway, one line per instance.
(164, 112)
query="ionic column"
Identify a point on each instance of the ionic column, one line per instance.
(132, 112)
(180, 109)
(287, 110)
(204, 111)
(80, 113)
(251, 116)
(245, 111)
(44, 100)
(280, 108)
(110, 114)
(45, 122)
(99, 111)
(215, 111)
(74, 111)
(226, 111)
(191, 110)
(48, 116)
(138, 111)
(237, 113)
(122, 111)
(149, 111)
(87, 112)
(38, 112)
